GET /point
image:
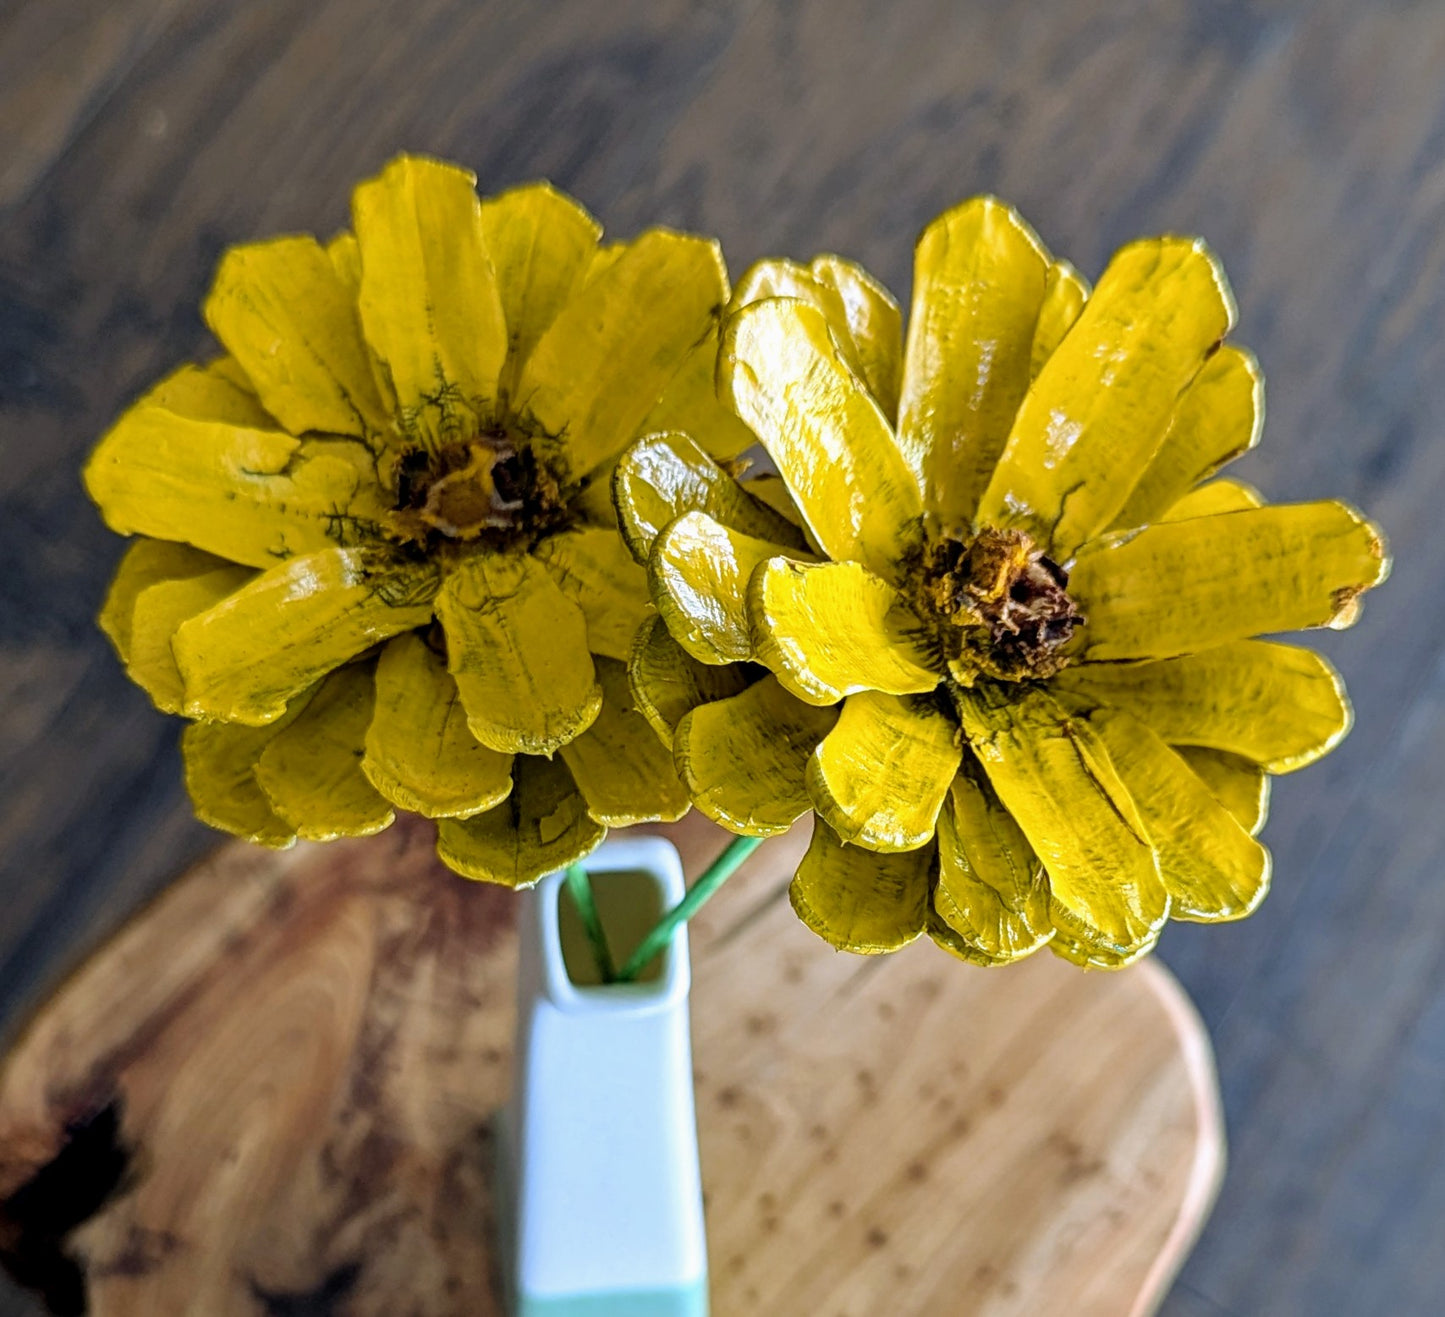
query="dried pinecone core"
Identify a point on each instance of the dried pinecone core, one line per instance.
(495, 489)
(995, 604)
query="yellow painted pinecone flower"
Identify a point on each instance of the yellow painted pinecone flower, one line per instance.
(1007, 654)
(379, 565)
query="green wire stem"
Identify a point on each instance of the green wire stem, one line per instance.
(716, 874)
(580, 885)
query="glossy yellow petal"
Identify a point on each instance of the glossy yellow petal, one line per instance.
(541, 244)
(775, 276)
(1065, 292)
(311, 769)
(1088, 956)
(874, 326)
(667, 682)
(220, 769)
(420, 753)
(783, 373)
(283, 312)
(616, 345)
(146, 563)
(861, 313)
(663, 476)
(1053, 774)
(252, 496)
(597, 572)
(1239, 785)
(857, 900)
(246, 658)
(429, 301)
(159, 610)
(698, 575)
(690, 405)
(344, 253)
(1210, 865)
(217, 391)
(604, 258)
(592, 503)
(879, 777)
(1182, 586)
(1279, 706)
(1219, 418)
(517, 646)
(624, 772)
(949, 939)
(1102, 403)
(833, 629)
(991, 887)
(541, 827)
(768, 488)
(1208, 500)
(227, 370)
(979, 276)
(744, 758)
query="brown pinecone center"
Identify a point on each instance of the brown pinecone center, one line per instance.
(997, 605)
(493, 489)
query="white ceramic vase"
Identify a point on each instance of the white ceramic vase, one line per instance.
(603, 1196)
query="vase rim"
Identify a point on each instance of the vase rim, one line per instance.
(655, 857)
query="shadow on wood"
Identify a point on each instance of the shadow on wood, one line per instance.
(271, 1093)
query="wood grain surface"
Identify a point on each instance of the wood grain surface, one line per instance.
(1304, 138)
(284, 1073)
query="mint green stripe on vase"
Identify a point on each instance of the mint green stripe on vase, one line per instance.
(682, 1301)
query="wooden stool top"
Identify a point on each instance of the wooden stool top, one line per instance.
(301, 1051)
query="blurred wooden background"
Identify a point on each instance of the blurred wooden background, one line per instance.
(1305, 140)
